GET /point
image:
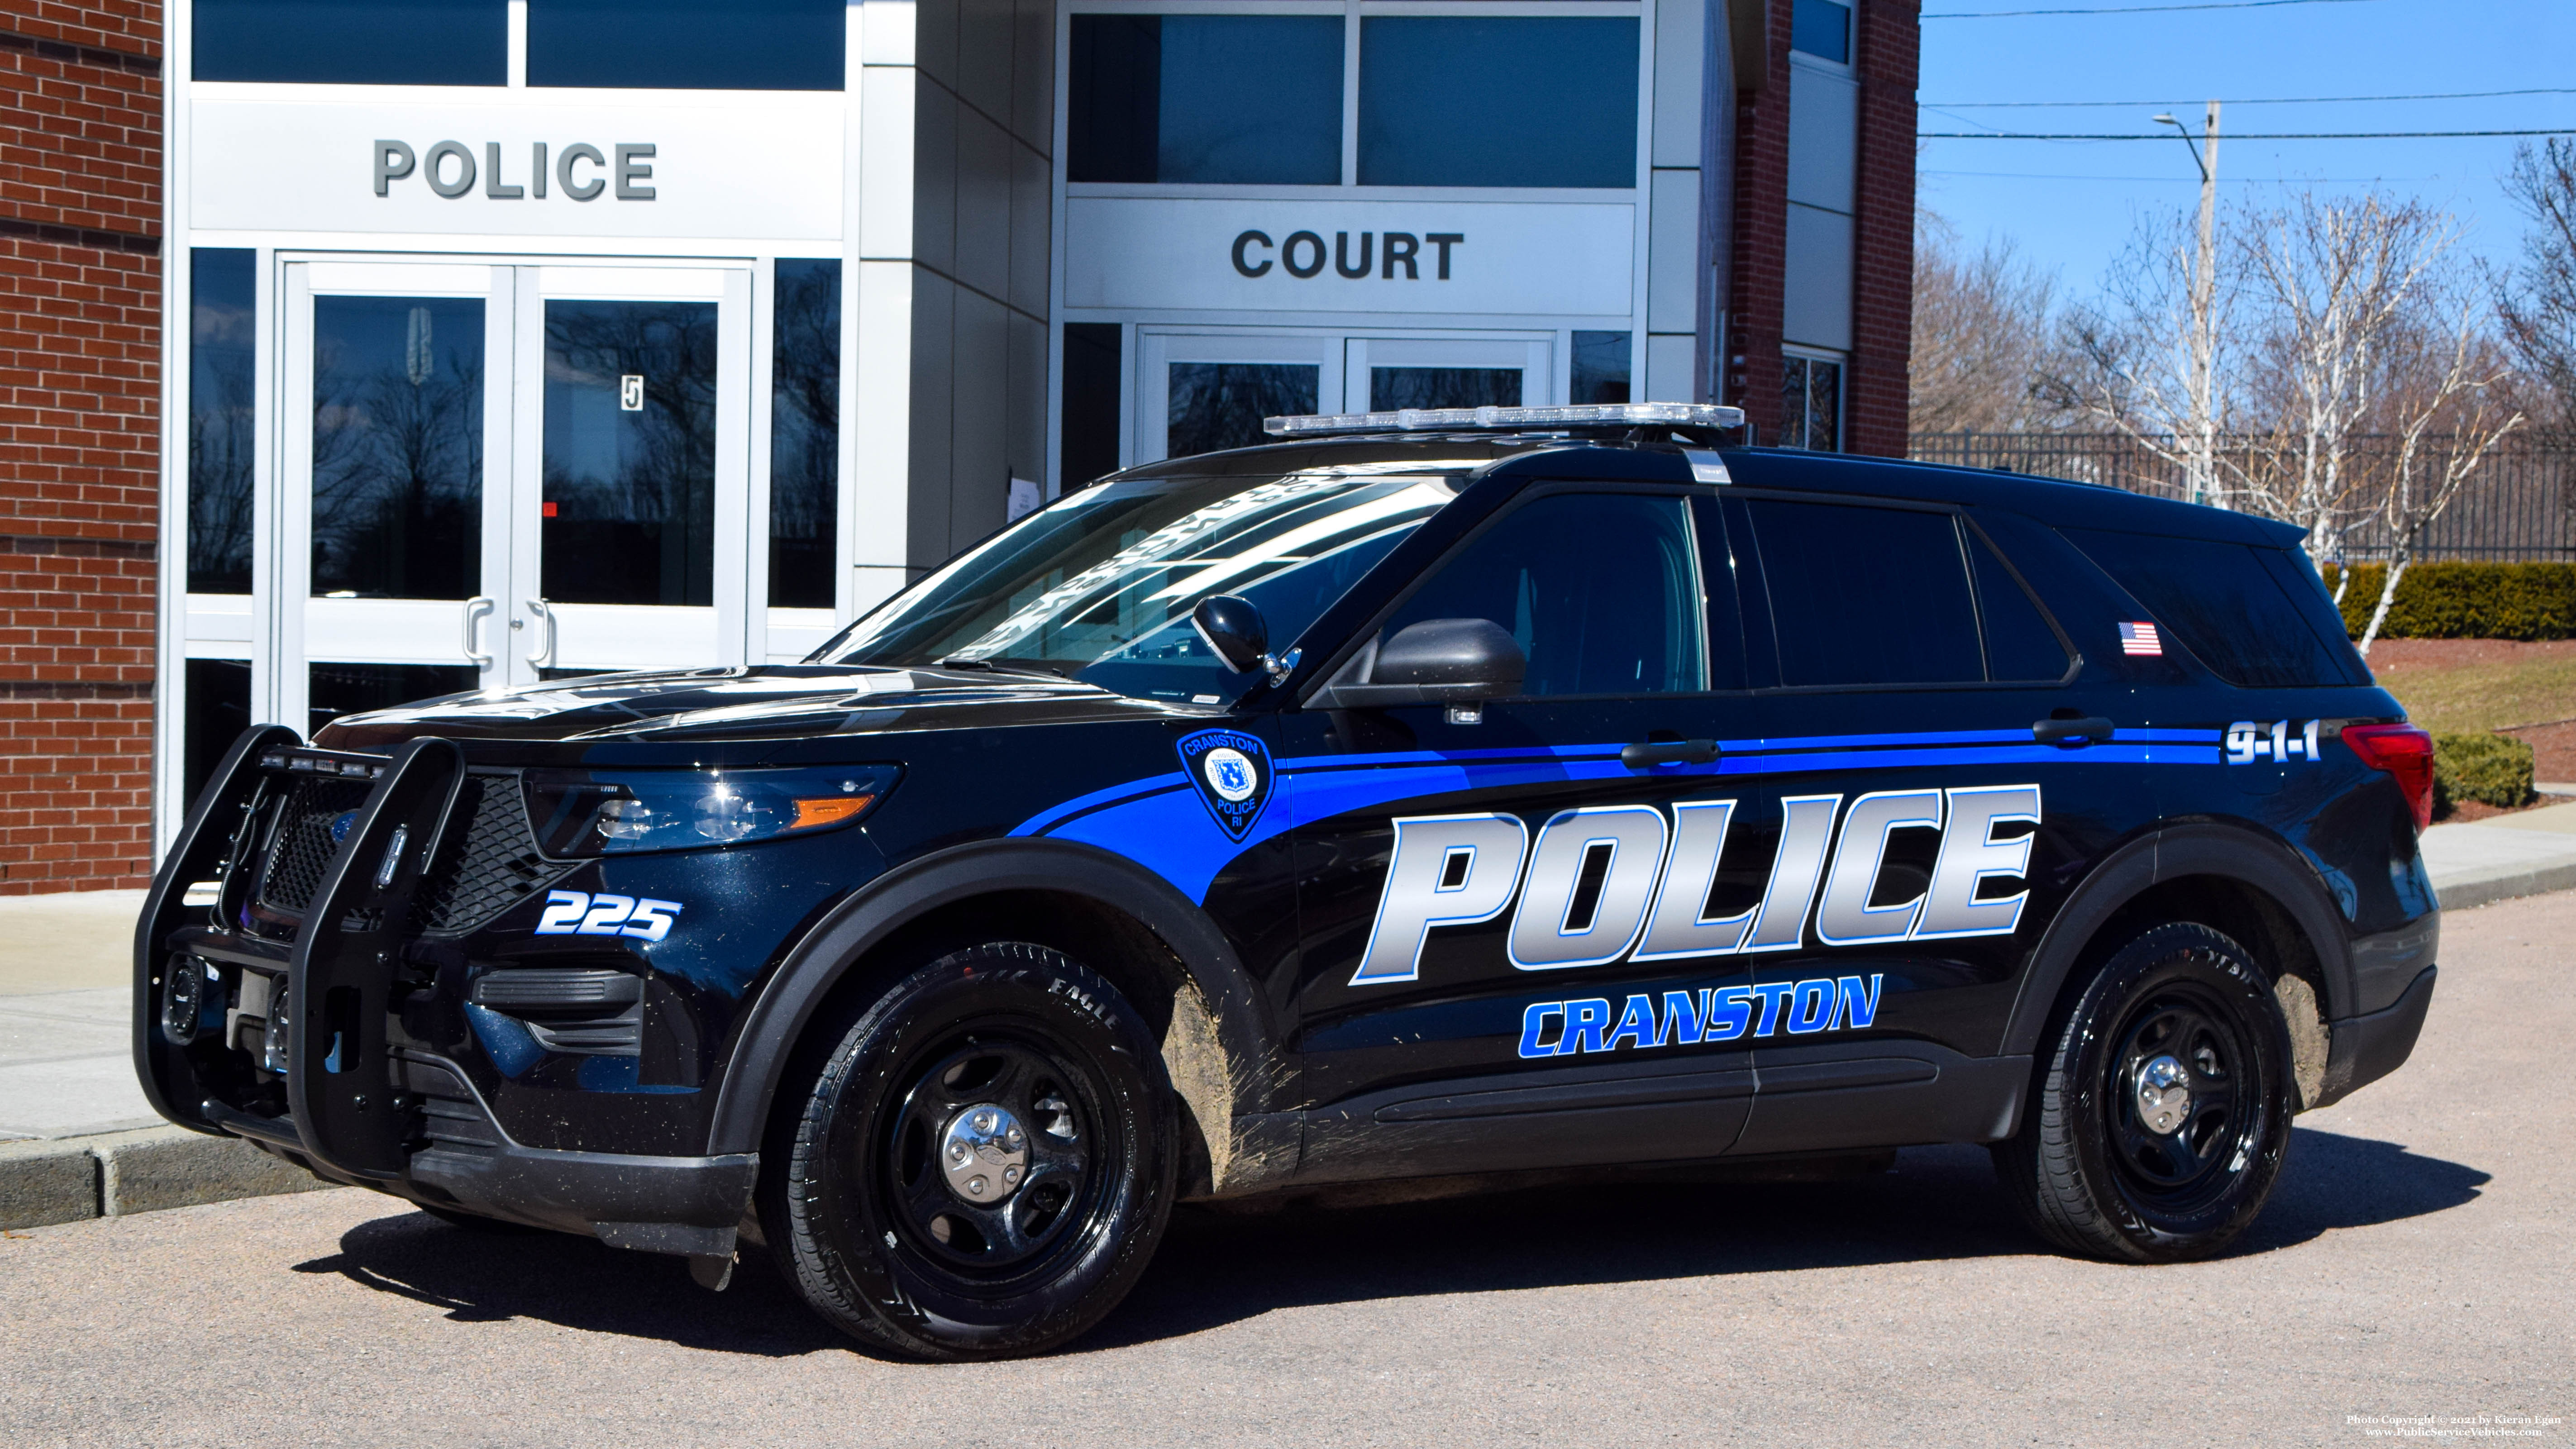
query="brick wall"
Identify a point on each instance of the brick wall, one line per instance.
(1887, 34)
(1890, 33)
(1753, 316)
(80, 336)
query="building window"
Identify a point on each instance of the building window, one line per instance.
(804, 432)
(1811, 403)
(222, 369)
(1498, 101)
(1087, 450)
(1241, 99)
(730, 45)
(217, 711)
(1822, 29)
(352, 42)
(1220, 405)
(1600, 368)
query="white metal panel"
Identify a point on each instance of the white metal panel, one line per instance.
(1672, 254)
(1668, 369)
(1545, 259)
(1824, 137)
(1681, 39)
(1816, 293)
(399, 279)
(687, 284)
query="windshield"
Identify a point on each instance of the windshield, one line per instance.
(1099, 586)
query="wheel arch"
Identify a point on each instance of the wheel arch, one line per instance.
(1219, 1043)
(2250, 886)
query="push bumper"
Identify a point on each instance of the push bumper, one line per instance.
(2362, 1049)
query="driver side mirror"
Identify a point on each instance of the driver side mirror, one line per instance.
(1437, 661)
(1233, 628)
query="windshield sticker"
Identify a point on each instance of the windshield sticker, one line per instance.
(1232, 773)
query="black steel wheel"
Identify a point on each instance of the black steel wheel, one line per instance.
(2164, 1104)
(983, 1166)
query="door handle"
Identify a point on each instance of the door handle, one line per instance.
(545, 653)
(1668, 752)
(2089, 730)
(476, 608)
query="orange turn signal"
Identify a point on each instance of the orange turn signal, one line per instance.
(830, 811)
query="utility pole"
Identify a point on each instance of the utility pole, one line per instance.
(2202, 447)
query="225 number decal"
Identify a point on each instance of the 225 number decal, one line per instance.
(578, 913)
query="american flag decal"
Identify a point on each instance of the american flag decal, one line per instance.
(2140, 639)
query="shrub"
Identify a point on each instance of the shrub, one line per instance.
(2466, 601)
(2493, 769)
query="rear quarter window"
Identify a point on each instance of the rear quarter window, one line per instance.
(2258, 617)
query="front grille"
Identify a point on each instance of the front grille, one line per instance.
(488, 865)
(304, 843)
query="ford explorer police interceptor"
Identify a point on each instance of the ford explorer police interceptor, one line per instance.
(1506, 790)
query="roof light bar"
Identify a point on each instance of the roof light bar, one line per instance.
(1515, 420)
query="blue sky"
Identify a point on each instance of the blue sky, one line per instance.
(2071, 205)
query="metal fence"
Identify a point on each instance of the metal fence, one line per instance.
(2519, 507)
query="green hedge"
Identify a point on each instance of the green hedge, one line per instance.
(2466, 601)
(2496, 769)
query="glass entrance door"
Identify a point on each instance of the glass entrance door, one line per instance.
(497, 474)
(1201, 391)
(396, 449)
(632, 462)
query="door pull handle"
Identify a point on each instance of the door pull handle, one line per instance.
(1668, 752)
(545, 653)
(2090, 730)
(476, 608)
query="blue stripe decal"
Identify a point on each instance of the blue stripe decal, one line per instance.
(1161, 824)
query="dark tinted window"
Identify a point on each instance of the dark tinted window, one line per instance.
(1244, 99)
(352, 42)
(398, 447)
(1088, 447)
(2225, 604)
(805, 432)
(222, 370)
(1600, 368)
(1821, 28)
(2019, 643)
(1498, 101)
(1866, 595)
(737, 45)
(218, 711)
(1599, 589)
(1220, 405)
(333, 690)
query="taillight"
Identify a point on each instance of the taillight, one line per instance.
(2404, 752)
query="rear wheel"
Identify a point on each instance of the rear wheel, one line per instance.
(983, 1166)
(2164, 1105)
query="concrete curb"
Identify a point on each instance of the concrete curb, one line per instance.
(113, 1174)
(2479, 890)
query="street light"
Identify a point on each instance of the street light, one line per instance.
(2202, 447)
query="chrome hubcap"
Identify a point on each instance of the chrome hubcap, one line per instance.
(984, 1153)
(2164, 1095)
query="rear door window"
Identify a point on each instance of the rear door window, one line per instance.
(1866, 595)
(2227, 603)
(2020, 644)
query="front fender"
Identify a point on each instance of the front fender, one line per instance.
(787, 1002)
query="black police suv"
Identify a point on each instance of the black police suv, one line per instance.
(1421, 795)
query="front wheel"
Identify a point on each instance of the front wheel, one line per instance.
(2164, 1105)
(984, 1165)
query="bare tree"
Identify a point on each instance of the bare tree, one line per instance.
(2134, 358)
(2333, 281)
(1985, 324)
(2449, 415)
(2537, 304)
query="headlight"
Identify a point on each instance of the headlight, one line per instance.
(620, 812)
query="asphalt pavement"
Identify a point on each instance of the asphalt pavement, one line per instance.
(2413, 1272)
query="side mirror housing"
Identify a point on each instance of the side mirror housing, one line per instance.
(1437, 661)
(1232, 626)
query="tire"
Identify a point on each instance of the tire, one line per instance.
(2164, 1105)
(1005, 1069)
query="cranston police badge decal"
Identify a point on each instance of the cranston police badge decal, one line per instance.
(1231, 771)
